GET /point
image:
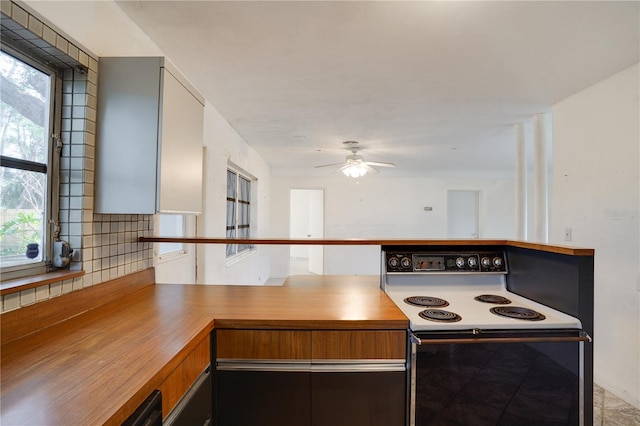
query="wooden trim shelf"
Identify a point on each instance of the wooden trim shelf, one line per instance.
(572, 251)
(33, 281)
(30, 319)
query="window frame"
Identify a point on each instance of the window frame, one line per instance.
(239, 250)
(51, 225)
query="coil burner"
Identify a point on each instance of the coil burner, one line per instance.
(492, 298)
(518, 313)
(426, 301)
(439, 315)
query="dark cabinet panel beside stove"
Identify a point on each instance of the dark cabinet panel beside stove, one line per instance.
(350, 398)
(361, 393)
(564, 283)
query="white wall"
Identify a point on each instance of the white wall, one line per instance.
(596, 193)
(385, 207)
(223, 145)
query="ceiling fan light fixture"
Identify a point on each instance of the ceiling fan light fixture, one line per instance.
(354, 165)
(355, 170)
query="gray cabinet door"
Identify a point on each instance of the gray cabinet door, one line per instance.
(127, 135)
(180, 154)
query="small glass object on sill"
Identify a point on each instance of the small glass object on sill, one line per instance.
(33, 250)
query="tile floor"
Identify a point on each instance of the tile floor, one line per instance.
(299, 266)
(608, 410)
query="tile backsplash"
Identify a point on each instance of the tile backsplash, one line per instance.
(105, 246)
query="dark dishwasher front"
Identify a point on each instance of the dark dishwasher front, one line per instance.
(194, 408)
(149, 413)
(295, 394)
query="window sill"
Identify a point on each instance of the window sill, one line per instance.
(238, 257)
(171, 256)
(33, 281)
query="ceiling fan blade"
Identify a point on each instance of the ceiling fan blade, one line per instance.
(379, 164)
(331, 165)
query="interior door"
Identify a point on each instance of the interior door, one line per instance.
(307, 222)
(462, 214)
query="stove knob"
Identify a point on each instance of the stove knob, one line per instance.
(405, 262)
(486, 262)
(473, 262)
(498, 262)
(460, 262)
(393, 262)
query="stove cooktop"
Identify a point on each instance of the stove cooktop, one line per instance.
(474, 314)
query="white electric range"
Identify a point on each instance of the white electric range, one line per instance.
(478, 351)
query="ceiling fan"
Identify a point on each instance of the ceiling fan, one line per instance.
(354, 164)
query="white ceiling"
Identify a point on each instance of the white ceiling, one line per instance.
(433, 86)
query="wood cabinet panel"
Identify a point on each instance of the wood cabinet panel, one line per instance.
(184, 375)
(366, 344)
(263, 344)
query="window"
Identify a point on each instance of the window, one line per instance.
(238, 210)
(170, 225)
(28, 173)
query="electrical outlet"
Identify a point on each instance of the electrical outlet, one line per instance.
(567, 234)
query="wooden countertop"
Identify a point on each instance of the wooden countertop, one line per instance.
(98, 366)
(303, 302)
(568, 250)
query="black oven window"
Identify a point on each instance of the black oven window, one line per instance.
(497, 384)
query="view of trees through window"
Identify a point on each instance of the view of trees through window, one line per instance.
(24, 130)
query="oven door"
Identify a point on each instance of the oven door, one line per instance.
(511, 377)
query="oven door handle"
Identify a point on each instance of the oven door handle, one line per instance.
(581, 337)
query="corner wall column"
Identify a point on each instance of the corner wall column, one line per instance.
(540, 190)
(521, 184)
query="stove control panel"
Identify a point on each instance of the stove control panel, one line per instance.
(484, 262)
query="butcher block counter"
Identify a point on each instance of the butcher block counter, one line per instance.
(73, 366)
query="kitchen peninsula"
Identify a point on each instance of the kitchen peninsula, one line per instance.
(96, 367)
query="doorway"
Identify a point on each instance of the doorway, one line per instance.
(462, 214)
(306, 220)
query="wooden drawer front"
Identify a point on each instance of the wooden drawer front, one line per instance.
(263, 344)
(184, 375)
(359, 344)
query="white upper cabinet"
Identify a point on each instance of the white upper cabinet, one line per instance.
(149, 138)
